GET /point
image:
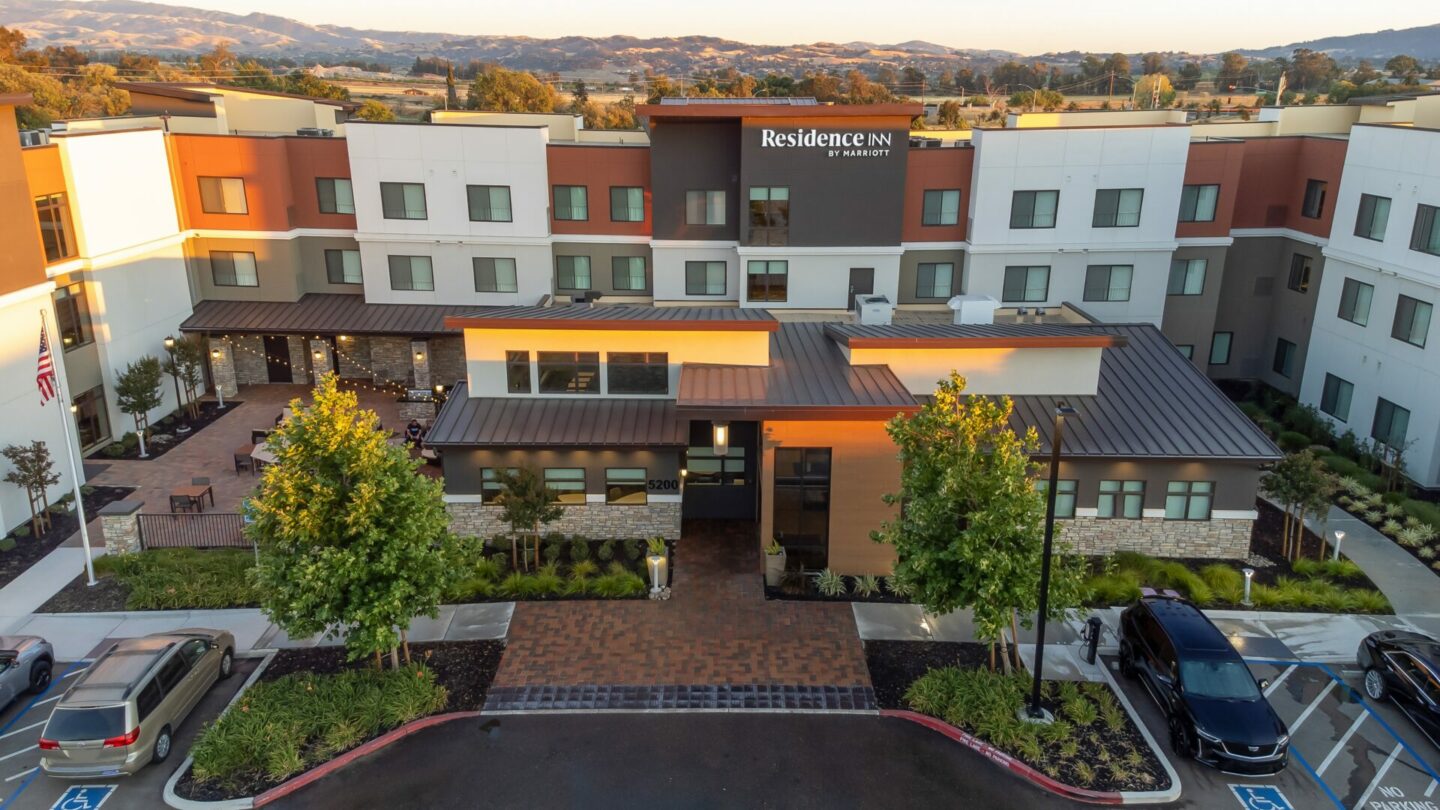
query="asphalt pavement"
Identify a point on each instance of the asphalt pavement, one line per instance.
(674, 760)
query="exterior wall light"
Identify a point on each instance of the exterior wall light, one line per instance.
(317, 354)
(214, 354)
(720, 437)
(344, 338)
(169, 342)
(419, 357)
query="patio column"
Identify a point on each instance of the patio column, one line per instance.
(222, 366)
(420, 358)
(120, 524)
(320, 358)
(296, 346)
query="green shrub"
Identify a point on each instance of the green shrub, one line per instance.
(1292, 441)
(469, 588)
(1328, 569)
(183, 578)
(294, 722)
(1174, 574)
(7, 543)
(584, 568)
(113, 450)
(547, 581)
(1423, 511)
(1226, 584)
(554, 550)
(830, 583)
(130, 441)
(618, 585)
(606, 551)
(1252, 410)
(634, 549)
(23, 530)
(514, 586)
(1120, 588)
(867, 585)
(1080, 711)
(579, 550)
(1306, 419)
(1365, 600)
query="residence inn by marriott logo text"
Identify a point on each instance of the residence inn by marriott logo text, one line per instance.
(835, 144)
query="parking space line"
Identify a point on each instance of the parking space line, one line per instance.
(1314, 704)
(1430, 791)
(1321, 782)
(22, 730)
(22, 773)
(1366, 706)
(18, 753)
(46, 700)
(1279, 679)
(1340, 744)
(1379, 775)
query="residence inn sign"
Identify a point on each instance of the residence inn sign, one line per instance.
(835, 143)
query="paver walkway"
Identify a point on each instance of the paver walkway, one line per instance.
(716, 629)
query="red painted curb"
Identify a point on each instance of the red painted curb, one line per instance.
(393, 735)
(1006, 761)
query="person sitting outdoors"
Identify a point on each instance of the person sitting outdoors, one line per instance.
(414, 432)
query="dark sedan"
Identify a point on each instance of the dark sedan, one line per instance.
(1404, 667)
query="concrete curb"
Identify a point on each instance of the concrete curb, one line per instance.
(230, 804)
(1048, 783)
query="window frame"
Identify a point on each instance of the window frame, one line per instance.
(1408, 334)
(566, 496)
(573, 270)
(479, 269)
(405, 212)
(57, 229)
(769, 215)
(1365, 219)
(627, 273)
(75, 307)
(1110, 217)
(1301, 267)
(933, 268)
(222, 199)
(1390, 411)
(1189, 495)
(1186, 275)
(330, 268)
(1033, 196)
(1229, 346)
(1066, 491)
(410, 272)
(649, 365)
(1123, 493)
(705, 267)
(628, 207)
(1192, 198)
(235, 281)
(1332, 395)
(578, 364)
(1425, 232)
(1025, 287)
(334, 196)
(940, 212)
(768, 294)
(1284, 361)
(488, 209)
(570, 208)
(491, 487)
(1351, 289)
(624, 483)
(1312, 205)
(1109, 287)
(517, 366)
(705, 198)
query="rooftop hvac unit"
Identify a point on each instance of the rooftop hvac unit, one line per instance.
(34, 137)
(973, 308)
(315, 132)
(874, 310)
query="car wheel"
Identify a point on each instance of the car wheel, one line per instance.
(1127, 660)
(227, 663)
(40, 676)
(1180, 741)
(163, 743)
(1374, 683)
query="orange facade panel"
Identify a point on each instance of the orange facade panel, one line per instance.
(22, 261)
(598, 169)
(936, 169)
(279, 177)
(1216, 163)
(1274, 177)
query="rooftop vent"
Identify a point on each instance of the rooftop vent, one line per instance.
(874, 310)
(973, 308)
(315, 132)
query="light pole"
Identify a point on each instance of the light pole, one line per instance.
(174, 375)
(1057, 436)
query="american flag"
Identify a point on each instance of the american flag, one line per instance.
(45, 369)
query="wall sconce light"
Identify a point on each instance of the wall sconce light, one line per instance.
(318, 354)
(720, 437)
(214, 354)
(439, 389)
(684, 472)
(74, 408)
(344, 338)
(419, 357)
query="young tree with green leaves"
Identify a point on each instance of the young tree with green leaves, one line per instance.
(526, 504)
(375, 110)
(137, 392)
(351, 539)
(1302, 485)
(32, 469)
(972, 530)
(185, 360)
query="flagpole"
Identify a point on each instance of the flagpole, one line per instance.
(66, 424)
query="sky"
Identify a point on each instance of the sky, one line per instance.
(1025, 26)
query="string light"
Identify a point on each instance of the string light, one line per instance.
(380, 387)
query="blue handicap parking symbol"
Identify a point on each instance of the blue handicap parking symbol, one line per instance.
(83, 797)
(1261, 797)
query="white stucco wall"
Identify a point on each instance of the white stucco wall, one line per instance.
(454, 268)
(820, 279)
(669, 260)
(1016, 372)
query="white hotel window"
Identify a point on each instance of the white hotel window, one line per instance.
(402, 200)
(412, 273)
(1108, 282)
(1026, 285)
(1197, 203)
(705, 278)
(1118, 207)
(233, 269)
(1034, 209)
(496, 275)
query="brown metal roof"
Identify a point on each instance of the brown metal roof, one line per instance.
(967, 336)
(616, 316)
(321, 313)
(555, 422)
(807, 377)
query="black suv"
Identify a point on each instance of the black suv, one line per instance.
(1404, 667)
(1215, 708)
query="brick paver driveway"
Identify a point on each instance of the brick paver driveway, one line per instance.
(716, 629)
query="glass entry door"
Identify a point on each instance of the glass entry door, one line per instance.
(802, 504)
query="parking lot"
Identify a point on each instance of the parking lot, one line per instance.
(1344, 751)
(22, 785)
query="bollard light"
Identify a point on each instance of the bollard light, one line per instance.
(1249, 575)
(656, 563)
(1339, 538)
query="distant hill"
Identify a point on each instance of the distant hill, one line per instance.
(1423, 43)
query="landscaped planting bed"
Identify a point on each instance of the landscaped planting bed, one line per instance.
(165, 434)
(163, 579)
(828, 586)
(1092, 744)
(311, 705)
(1414, 525)
(571, 568)
(21, 548)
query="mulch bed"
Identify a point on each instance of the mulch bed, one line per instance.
(31, 549)
(164, 438)
(464, 668)
(107, 595)
(1265, 542)
(804, 589)
(894, 665)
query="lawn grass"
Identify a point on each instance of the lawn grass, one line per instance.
(295, 722)
(183, 578)
(1321, 586)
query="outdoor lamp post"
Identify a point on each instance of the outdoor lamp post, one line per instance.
(1057, 436)
(219, 389)
(1339, 538)
(1249, 576)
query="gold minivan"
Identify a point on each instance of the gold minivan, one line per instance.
(123, 711)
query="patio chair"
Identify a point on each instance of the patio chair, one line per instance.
(259, 435)
(244, 462)
(181, 503)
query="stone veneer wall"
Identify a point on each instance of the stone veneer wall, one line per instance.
(249, 353)
(390, 358)
(447, 360)
(299, 359)
(597, 521)
(1212, 539)
(351, 354)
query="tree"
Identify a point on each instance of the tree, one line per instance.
(502, 90)
(350, 538)
(1233, 72)
(374, 110)
(971, 533)
(1311, 69)
(1154, 92)
(1047, 100)
(860, 90)
(137, 392)
(526, 504)
(187, 361)
(1403, 66)
(948, 114)
(1302, 485)
(33, 470)
(1152, 63)
(1189, 74)
(579, 93)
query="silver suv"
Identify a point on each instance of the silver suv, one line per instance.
(122, 712)
(25, 666)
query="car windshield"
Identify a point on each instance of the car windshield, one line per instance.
(1226, 680)
(86, 724)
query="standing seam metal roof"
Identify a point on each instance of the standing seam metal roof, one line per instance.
(319, 313)
(553, 422)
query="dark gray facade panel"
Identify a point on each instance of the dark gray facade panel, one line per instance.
(463, 465)
(601, 275)
(1190, 319)
(1235, 482)
(910, 262)
(1258, 318)
(694, 156)
(834, 200)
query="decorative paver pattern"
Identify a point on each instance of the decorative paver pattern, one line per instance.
(590, 697)
(716, 629)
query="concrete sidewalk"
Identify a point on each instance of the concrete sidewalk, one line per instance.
(1412, 588)
(77, 635)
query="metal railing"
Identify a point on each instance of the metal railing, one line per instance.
(186, 530)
